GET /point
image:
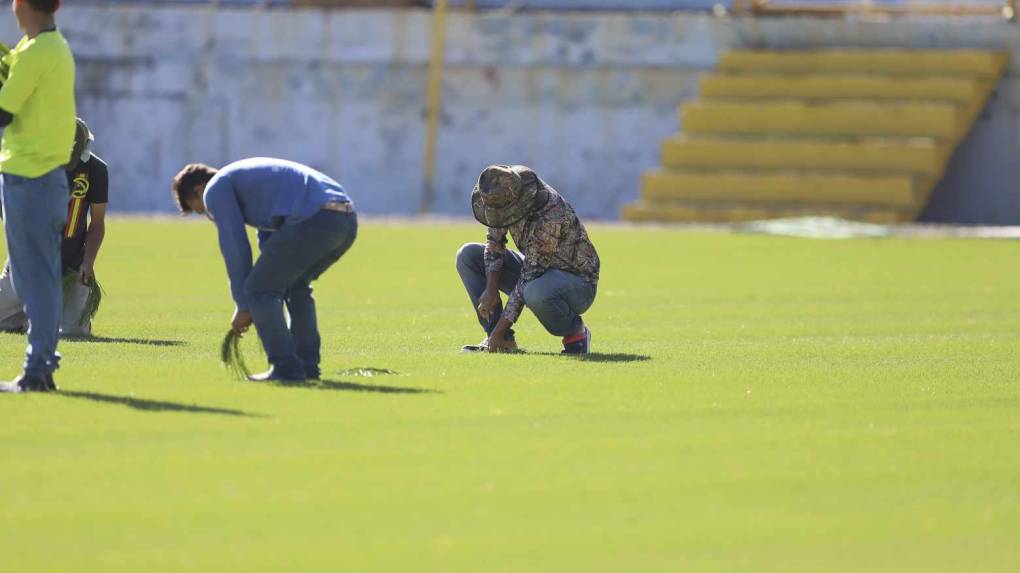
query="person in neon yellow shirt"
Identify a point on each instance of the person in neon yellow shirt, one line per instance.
(37, 113)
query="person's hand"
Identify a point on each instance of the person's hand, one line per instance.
(487, 303)
(87, 274)
(241, 321)
(498, 342)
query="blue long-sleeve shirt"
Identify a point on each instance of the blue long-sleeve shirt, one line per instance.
(267, 194)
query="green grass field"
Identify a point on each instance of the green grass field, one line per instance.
(755, 404)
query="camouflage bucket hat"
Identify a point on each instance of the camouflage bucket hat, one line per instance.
(506, 194)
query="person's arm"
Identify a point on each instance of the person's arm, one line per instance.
(221, 202)
(98, 195)
(495, 252)
(93, 240)
(22, 81)
(514, 306)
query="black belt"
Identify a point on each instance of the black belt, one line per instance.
(339, 207)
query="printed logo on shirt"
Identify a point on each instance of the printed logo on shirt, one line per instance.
(80, 187)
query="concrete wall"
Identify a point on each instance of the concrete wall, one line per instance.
(584, 98)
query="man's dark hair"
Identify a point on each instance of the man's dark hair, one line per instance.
(44, 6)
(183, 187)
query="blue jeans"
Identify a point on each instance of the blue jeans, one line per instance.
(34, 210)
(292, 257)
(557, 298)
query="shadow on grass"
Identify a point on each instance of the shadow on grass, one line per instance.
(341, 386)
(115, 340)
(154, 405)
(597, 356)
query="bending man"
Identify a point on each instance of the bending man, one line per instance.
(306, 222)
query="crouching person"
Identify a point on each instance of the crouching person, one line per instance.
(84, 229)
(555, 274)
(306, 222)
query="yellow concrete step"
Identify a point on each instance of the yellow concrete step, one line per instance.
(835, 119)
(702, 212)
(922, 156)
(783, 187)
(959, 90)
(980, 63)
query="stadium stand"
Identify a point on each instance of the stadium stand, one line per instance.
(482, 4)
(597, 4)
(860, 134)
(759, 6)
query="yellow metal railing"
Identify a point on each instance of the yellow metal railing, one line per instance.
(434, 103)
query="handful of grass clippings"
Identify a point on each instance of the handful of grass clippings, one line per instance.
(95, 297)
(231, 357)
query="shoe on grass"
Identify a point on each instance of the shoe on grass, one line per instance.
(29, 383)
(480, 347)
(271, 376)
(483, 346)
(579, 344)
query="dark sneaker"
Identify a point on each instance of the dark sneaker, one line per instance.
(578, 345)
(271, 376)
(29, 383)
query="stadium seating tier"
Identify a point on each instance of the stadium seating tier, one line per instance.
(859, 134)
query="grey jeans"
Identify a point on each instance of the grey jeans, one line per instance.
(557, 298)
(12, 310)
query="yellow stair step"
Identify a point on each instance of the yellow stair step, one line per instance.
(918, 156)
(702, 212)
(789, 187)
(949, 89)
(836, 119)
(980, 63)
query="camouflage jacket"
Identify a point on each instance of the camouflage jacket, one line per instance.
(551, 238)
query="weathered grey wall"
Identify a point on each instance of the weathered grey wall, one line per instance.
(583, 98)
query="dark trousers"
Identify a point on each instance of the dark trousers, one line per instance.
(292, 257)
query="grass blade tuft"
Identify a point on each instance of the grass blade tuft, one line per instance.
(231, 357)
(95, 297)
